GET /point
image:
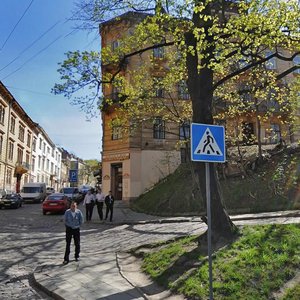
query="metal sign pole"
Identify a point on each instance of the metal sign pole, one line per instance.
(207, 174)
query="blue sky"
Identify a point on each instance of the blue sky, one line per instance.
(34, 35)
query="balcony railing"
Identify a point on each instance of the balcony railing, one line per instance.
(22, 167)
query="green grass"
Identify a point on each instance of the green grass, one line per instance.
(274, 186)
(257, 264)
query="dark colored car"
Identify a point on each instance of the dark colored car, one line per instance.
(56, 203)
(12, 200)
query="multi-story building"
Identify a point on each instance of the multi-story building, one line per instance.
(132, 164)
(16, 136)
(46, 161)
(27, 154)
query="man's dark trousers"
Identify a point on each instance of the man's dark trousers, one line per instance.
(109, 208)
(75, 233)
(100, 210)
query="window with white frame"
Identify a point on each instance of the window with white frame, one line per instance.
(20, 155)
(1, 143)
(2, 113)
(12, 124)
(11, 150)
(159, 128)
(116, 133)
(28, 139)
(34, 144)
(33, 164)
(21, 132)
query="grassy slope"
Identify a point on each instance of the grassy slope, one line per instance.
(274, 185)
(253, 267)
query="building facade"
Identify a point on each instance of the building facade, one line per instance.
(27, 154)
(132, 164)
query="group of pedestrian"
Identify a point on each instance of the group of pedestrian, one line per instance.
(73, 218)
(98, 199)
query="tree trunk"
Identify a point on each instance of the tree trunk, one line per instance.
(200, 86)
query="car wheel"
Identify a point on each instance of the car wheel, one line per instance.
(44, 212)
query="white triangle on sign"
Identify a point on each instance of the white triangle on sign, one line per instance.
(208, 145)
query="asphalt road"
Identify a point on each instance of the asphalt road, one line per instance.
(28, 239)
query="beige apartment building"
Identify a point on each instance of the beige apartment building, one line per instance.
(133, 164)
(16, 136)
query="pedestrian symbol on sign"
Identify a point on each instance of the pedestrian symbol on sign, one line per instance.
(208, 145)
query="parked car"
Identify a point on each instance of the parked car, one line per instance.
(56, 203)
(50, 190)
(73, 193)
(4, 192)
(84, 189)
(12, 200)
(34, 192)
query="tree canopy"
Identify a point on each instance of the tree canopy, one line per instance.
(220, 48)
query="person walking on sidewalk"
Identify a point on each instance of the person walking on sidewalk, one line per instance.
(89, 201)
(109, 201)
(99, 202)
(73, 219)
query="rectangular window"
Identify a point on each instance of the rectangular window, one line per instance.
(47, 165)
(40, 144)
(159, 52)
(33, 164)
(11, 150)
(27, 158)
(1, 144)
(12, 124)
(20, 155)
(116, 132)
(275, 133)
(184, 131)
(39, 161)
(115, 44)
(296, 62)
(34, 144)
(2, 113)
(21, 132)
(158, 86)
(159, 128)
(271, 64)
(183, 93)
(28, 139)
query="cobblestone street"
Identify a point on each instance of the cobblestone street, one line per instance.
(29, 239)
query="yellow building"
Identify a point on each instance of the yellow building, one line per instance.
(132, 164)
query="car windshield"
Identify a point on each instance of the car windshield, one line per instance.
(55, 197)
(68, 191)
(32, 189)
(11, 196)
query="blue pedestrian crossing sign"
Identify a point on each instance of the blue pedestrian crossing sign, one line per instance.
(207, 143)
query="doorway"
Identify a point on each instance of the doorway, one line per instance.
(117, 181)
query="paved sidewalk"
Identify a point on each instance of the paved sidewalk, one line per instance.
(113, 275)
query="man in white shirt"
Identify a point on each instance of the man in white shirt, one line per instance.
(89, 201)
(99, 202)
